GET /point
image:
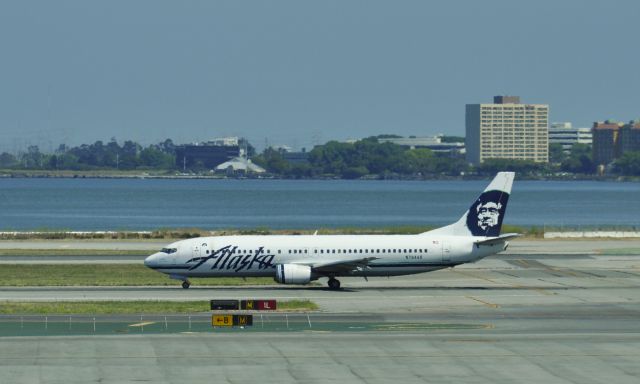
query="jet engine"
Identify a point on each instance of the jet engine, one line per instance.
(293, 274)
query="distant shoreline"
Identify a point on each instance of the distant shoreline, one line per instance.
(34, 174)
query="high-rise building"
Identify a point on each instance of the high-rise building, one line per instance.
(507, 129)
(565, 135)
(612, 139)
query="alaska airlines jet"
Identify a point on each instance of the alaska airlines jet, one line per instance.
(296, 259)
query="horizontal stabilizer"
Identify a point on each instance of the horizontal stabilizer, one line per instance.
(499, 239)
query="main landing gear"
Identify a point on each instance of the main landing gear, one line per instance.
(333, 283)
(186, 284)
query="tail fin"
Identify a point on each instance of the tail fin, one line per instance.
(484, 217)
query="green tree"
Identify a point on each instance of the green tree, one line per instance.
(272, 161)
(68, 161)
(492, 166)
(299, 171)
(579, 160)
(355, 172)
(628, 164)
(154, 157)
(129, 157)
(556, 153)
(7, 160)
(33, 158)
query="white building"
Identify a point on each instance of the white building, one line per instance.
(240, 164)
(507, 129)
(433, 143)
(567, 136)
(232, 141)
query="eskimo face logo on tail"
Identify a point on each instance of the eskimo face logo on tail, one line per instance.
(485, 215)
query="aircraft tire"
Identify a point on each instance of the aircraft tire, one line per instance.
(334, 283)
(186, 284)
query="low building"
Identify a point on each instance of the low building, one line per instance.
(566, 135)
(433, 143)
(208, 154)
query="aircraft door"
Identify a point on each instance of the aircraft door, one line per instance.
(305, 253)
(446, 252)
(196, 250)
(316, 252)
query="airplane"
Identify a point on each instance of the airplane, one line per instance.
(300, 259)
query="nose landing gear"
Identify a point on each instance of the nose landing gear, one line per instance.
(333, 283)
(185, 282)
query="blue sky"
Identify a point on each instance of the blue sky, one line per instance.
(303, 72)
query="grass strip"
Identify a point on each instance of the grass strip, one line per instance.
(104, 275)
(620, 251)
(127, 307)
(297, 305)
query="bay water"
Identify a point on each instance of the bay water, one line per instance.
(149, 204)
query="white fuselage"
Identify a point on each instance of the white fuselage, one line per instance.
(246, 256)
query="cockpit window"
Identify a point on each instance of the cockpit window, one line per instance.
(169, 250)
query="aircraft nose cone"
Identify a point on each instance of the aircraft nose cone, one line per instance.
(151, 261)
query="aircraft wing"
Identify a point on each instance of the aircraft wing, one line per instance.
(499, 239)
(342, 265)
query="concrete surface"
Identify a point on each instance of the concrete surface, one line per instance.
(537, 317)
(399, 357)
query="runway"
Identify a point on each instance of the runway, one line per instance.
(527, 317)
